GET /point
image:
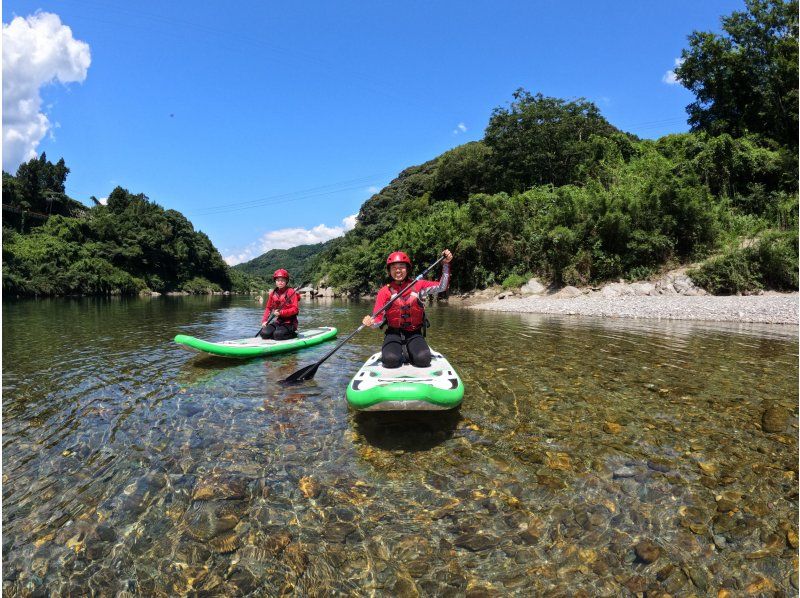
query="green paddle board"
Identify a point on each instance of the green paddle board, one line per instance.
(256, 347)
(407, 388)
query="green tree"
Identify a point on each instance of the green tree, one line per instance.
(38, 176)
(36, 192)
(541, 140)
(462, 171)
(746, 80)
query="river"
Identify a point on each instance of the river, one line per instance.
(590, 457)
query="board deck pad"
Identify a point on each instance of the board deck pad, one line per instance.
(407, 388)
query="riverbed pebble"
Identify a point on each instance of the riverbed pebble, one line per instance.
(647, 551)
(624, 472)
(774, 419)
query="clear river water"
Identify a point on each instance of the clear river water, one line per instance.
(589, 458)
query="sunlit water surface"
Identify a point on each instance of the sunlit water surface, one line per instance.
(590, 457)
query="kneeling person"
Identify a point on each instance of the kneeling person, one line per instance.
(405, 318)
(284, 305)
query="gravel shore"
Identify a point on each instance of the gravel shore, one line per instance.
(767, 309)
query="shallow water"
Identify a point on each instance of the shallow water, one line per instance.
(590, 457)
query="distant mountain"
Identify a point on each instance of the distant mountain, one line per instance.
(297, 260)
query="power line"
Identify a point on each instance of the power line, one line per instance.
(333, 187)
(660, 122)
(270, 201)
(655, 124)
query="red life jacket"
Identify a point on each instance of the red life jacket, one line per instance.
(407, 313)
(281, 301)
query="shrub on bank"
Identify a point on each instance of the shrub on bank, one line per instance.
(772, 263)
(201, 286)
(514, 281)
(96, 276)
(777, 259)
(731, 273)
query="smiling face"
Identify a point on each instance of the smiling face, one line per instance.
(280, 282)
(398, 271)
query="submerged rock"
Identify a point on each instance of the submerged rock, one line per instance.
(791, 537)
(647, 552)
(775, 419)
(220, 486)
(624, 472)
(225, 543)
(476, 541)
(309, 487)
(338, 532)
(204, 521)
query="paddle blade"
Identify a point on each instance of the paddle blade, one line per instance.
(301, 375)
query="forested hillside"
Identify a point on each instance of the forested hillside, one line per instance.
(555, 190)
(296, 260)
(552, 189)
(126, 246)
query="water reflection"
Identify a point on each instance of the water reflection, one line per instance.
(592, 457)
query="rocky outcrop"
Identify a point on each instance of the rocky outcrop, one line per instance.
(532, 287)
(673, 283)
(568, 292)
(669, 284)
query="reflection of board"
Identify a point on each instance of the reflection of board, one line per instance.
(407, 388)
(256, 347)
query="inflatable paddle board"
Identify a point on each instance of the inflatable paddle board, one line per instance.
(256, 347)
(407, 388)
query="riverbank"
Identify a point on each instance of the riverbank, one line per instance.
(769, 308)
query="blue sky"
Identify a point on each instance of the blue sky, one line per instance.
(268, 124)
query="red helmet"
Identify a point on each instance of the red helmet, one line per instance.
(398, 257)
(280, 273)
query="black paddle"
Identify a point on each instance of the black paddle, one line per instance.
(307, 373)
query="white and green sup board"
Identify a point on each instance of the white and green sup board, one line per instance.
(407, 388)
(256, 346)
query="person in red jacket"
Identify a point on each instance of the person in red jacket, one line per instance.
(284, 304)
(405, 318)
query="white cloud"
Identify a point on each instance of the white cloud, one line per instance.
(460, 128)
(285, 238)
(670, 78)
(37, 50)
(291, 237)
(349, 222)
(372, 190)
(245, 255)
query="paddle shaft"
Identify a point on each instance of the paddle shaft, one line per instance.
(309, 371)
